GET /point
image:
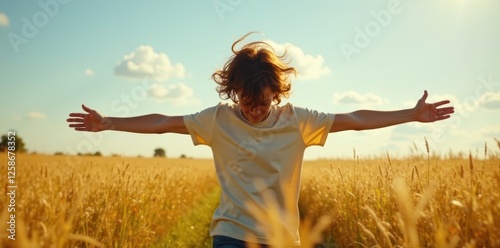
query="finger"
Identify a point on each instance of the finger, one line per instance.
(446, 110)
(437, 104)
(80, 125)
(77, 115)
(88, 110)
(424, 97)
(75, 120)
(442, 117)
(79, 120)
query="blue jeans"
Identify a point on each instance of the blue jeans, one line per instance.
(227, 242)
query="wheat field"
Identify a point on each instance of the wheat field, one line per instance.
(420, 201)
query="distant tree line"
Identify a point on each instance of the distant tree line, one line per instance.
(21, 147)
(19, 144)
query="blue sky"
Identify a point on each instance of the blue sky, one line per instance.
(126, 58)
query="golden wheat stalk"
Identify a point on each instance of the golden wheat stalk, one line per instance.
(409, 215)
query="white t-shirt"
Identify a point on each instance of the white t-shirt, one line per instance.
(255, 162)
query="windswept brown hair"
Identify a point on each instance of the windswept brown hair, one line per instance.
(251, 69)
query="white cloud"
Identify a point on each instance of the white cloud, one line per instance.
(307, 66)
(355, 98)
(4, 19)
(89, 72)
(36, 115)
(490, 100)
(144, 61)
(179, 93)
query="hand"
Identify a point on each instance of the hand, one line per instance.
(430, 112)
(92, 121)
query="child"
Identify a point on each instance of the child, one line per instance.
(257, 145)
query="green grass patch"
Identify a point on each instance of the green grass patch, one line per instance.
(192, 230)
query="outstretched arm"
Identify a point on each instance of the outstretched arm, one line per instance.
(92, 121)
(371, 119)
